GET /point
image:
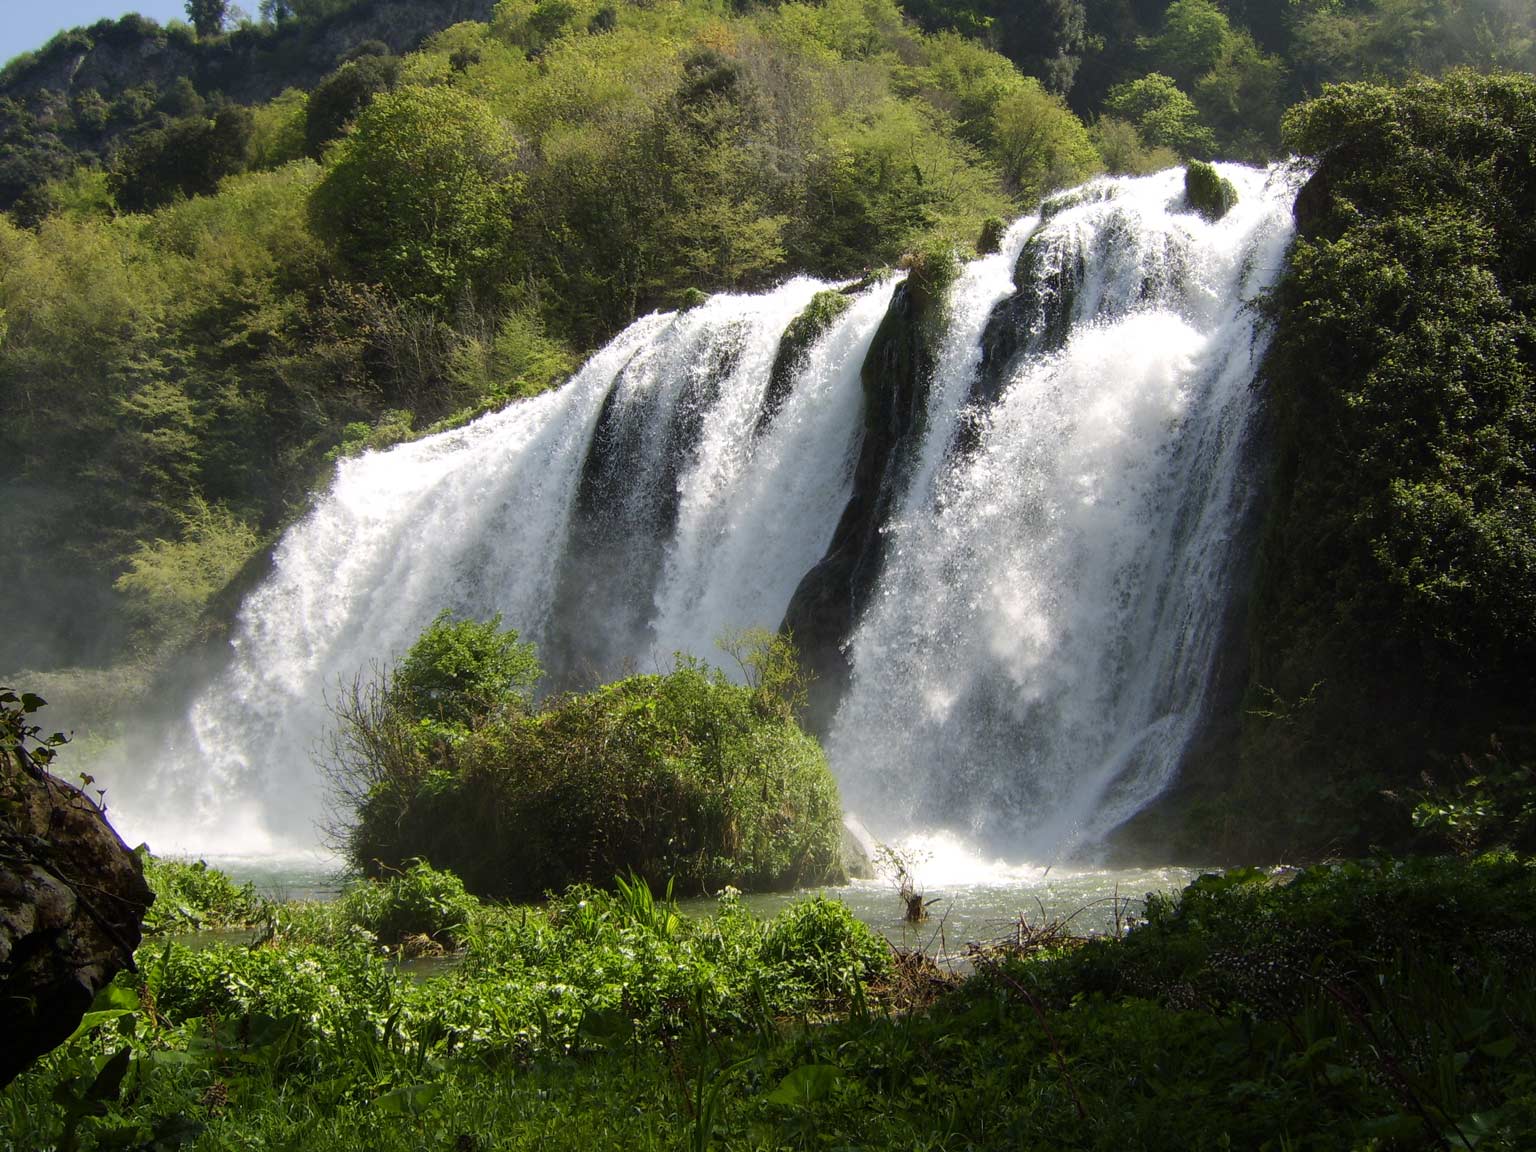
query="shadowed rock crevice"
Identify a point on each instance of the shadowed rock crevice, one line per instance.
(896, 377)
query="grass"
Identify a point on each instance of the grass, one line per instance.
(1379, 1004)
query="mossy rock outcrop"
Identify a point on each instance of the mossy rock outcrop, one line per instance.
(803, 332)
(897, 375)
(1207, 191)
(72, 903)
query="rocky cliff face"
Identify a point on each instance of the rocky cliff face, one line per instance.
(72, 900)
(825, 608)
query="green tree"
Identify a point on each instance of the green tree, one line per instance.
(208, 16)
(419, 196)
(462, 672)
(1045, 38)
(1162, 114)
(1193, 40)
(188, 157)
(1039, 144)
(340, 98)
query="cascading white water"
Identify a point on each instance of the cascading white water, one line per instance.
(1034, 660)
(482, 520)
(756, 513)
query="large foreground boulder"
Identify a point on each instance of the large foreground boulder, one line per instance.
(72, 901)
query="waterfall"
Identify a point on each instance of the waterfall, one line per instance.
(1036, 658)
(1032, 661)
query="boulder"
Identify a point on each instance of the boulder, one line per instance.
(72, 903)
(1207, 191)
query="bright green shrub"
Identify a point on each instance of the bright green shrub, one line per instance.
(1163, 115)
(683, 775)
(818, 948)
(460, 671)
(418, 194)
(169, 583)
(191, 896)
(417, 901)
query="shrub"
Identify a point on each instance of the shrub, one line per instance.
(190, 896)
(683, 775)
(1494, 805)
(819, 948)
(1162, 114)
(340, 98)
(459, 671)
(169, 583)
(416, 901)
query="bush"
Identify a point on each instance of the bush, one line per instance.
(417, 901)
(461, 671)
(683, 776)
(191, 896)
(820, 949)
(1162, 114)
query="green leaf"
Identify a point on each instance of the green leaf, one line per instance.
(1499, 1049)
(115, 996)
(109, 1081)
(408, 1100)
(95, 1019)
(806, 1085)
(31, 702)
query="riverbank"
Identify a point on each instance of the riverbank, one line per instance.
(1381, 1003)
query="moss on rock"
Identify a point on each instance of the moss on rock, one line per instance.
(803, 331)
(1207, 191)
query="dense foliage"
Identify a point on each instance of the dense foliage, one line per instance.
(1398, 577)
(190, 897)
(1378, 1004)
(684, 776)
(229, 1044)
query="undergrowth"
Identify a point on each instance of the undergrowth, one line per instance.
(1371, 1005)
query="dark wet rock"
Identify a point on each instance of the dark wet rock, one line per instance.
(825, 608)
(72, 902)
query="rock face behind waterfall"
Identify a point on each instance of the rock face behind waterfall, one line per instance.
(72, 901)
(826, 605)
